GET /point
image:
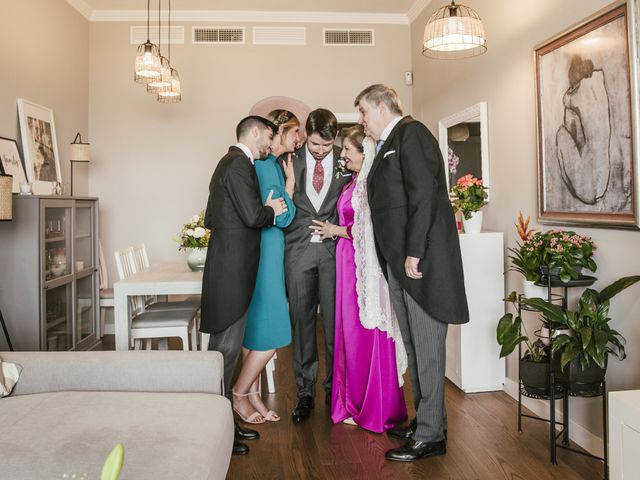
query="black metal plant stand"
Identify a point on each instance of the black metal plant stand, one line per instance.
(559, 390)
(6, 332)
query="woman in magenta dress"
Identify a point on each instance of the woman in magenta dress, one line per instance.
(369, 356)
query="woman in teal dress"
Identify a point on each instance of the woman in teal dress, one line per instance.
(268, 324)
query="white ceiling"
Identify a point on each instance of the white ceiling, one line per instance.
(368, 6)
(334, 11)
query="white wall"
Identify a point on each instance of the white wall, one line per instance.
(504, 77)
(44, 53)
(152, 162)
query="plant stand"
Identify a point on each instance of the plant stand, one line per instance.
(558, 390)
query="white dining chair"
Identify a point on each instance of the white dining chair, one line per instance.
(152, 304)
(106, 294)
(147, 324)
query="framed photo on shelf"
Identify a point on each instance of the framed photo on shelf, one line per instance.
(39, 146)
(587, 122)
(10, 162)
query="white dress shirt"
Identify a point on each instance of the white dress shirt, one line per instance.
(246, 151)
(327, 163)
(387, 130)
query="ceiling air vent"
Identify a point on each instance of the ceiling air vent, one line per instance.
(345, 36)
(218, 35)
(138, 35)
(279, 35)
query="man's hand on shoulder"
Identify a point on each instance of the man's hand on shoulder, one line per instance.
(411, 268)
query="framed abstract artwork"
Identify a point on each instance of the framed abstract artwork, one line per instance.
(10, 162)
(587, 122)
(39, 146)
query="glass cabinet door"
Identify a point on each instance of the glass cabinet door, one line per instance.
(85, 309)
(58, 318)
(57, 245)
(84, 237)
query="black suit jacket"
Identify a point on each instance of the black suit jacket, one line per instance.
(298, 234)
(235, 215)
(412, 216)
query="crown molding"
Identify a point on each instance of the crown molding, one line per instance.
(416, 9)
(242, 16)
(82, 7)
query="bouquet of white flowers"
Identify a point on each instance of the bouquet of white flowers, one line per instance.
(194, 234)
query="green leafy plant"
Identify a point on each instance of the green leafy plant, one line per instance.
(194, 234)
(591, 338)
(525, 259)
(509, 335)
(470, 195)
(565, 251)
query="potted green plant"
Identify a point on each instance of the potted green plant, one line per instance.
(591, 339)
(470, 196)
(525, 259)
(195, 236)
(563, 253)
(534, 365)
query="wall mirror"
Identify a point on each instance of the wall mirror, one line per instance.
(464, 142)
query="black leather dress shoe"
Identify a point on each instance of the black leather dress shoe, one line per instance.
(245, 433)
(414, 450)
(239, 448)
(302, 410)
(403, 433)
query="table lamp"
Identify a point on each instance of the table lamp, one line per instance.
(80, 152)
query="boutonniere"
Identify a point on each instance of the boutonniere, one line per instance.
(341, 168)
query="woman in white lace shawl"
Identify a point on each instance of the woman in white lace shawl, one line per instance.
(369, 356)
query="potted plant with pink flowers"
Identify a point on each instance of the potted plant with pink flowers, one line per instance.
(470, 196)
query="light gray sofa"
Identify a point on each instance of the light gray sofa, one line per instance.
(69, 409)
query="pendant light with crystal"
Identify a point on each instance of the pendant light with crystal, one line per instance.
(164, 80)
(147, 67)
(171, 93)
(454, 31)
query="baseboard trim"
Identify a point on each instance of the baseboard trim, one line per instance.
(577, 433)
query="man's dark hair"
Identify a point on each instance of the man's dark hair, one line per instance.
(247, 123)
(322, 122)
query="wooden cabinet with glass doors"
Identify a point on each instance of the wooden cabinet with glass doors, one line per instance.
(49, 273)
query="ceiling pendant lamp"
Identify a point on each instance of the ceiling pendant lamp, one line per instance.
(147, 66)
(454, 31)
(164, 80)
(171, 93)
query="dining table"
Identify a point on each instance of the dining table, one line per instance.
(161, 279)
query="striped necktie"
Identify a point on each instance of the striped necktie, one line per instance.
(379, 144)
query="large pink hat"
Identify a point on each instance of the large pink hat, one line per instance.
(269, 104)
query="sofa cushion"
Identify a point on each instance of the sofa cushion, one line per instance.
(165, 435)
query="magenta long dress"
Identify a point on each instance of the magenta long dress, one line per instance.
(365, 379)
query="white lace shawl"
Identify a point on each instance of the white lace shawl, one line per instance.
(376, 310)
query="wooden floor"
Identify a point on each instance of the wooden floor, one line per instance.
(483, 443)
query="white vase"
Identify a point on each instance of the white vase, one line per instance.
(474, 224)
(196, 259)
(531, 290)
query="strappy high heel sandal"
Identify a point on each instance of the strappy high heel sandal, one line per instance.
(270, 416)
(251, 418)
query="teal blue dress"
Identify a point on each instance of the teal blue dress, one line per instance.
(268, 323)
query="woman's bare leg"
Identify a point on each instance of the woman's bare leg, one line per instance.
(247, 382)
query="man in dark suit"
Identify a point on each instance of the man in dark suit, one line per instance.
(310, 264)
(418, 248)
(235, 215)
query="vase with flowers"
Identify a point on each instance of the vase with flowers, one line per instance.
(525, 259)
(195, 236)
(565, 253)
(470, 196)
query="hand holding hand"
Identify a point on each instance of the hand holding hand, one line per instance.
(278, 204)
(411, 268)
(324, 229)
